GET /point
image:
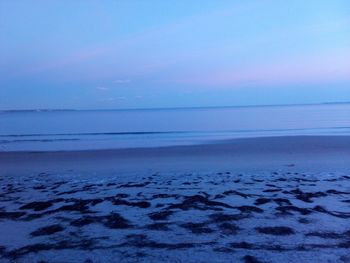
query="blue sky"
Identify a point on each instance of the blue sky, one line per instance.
(174, 53)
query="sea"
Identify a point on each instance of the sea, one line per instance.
(73, 130)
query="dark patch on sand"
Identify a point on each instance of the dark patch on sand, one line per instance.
(47, 230)
(306, 196)
(286, 210)
(199, 202)
(11, 215)
(282, 201)
(131, 185)
(262, 201)
(249, 209)
(304, 220)
(220, 217)
(158, 227)
(198, 228)
(140, 204)
(233, 192)
(115, 220)
(83, 221)
(251, 259)
(276, 231)
(37, 206)
(165, 196)
(162, 215)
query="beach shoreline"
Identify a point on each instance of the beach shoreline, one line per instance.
(307, 152)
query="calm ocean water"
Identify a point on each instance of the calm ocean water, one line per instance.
(78, 130)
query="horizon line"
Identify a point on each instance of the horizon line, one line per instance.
(176, 108)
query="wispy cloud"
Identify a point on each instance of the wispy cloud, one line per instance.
(306, 69)
(121, 81)
(102, 88)
(107, 99)
(110, 99)
(117, 46)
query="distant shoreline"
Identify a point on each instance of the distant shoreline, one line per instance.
(173, 108)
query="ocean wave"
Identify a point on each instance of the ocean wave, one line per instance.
(171, 132)
(39, 140)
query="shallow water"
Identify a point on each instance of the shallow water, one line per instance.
(77, 130)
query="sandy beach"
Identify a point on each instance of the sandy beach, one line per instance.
(276, 199)
(174, 131)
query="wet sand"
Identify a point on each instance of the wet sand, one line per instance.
(306, 152)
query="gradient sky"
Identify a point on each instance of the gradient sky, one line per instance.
(155, 53)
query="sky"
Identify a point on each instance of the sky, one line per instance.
(101, 54)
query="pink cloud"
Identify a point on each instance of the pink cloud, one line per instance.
(306, 69)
